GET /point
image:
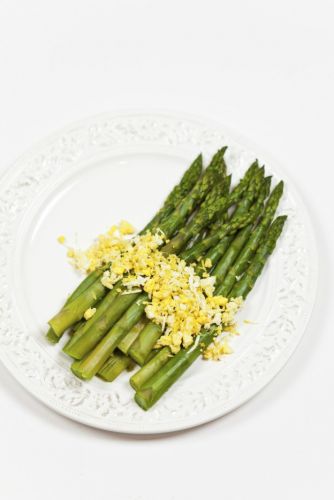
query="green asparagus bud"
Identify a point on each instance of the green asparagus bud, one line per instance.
(212, 175)
(188, 181)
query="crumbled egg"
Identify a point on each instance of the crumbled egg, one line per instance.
(126, 228)
(104, 249)
(249, 322)
(61, 239)
(217, 349)
(179, 300)
(89, 313)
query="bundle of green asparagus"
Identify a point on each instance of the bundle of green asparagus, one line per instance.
(167, 295)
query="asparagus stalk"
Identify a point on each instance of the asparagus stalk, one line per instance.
(128, 340)
(114, 366)
(84, 285)
(156, 386)
(150, 368)
(225, 194)
(199, 237)
(83, 321)
(74, 310)
(145, 342)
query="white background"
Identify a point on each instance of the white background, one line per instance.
(263, 68)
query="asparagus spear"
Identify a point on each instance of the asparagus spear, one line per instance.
(145, 342)
(114, 366)
(188, 181)
(225, 194)
(150, 368)
(100, 322)
(74, 310)
(128, 340)
(84, 285)
(156, 386)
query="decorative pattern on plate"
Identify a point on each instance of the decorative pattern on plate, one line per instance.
(220, 390)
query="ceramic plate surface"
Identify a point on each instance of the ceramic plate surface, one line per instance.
(79, 182)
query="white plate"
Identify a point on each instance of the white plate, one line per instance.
(79, 182)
